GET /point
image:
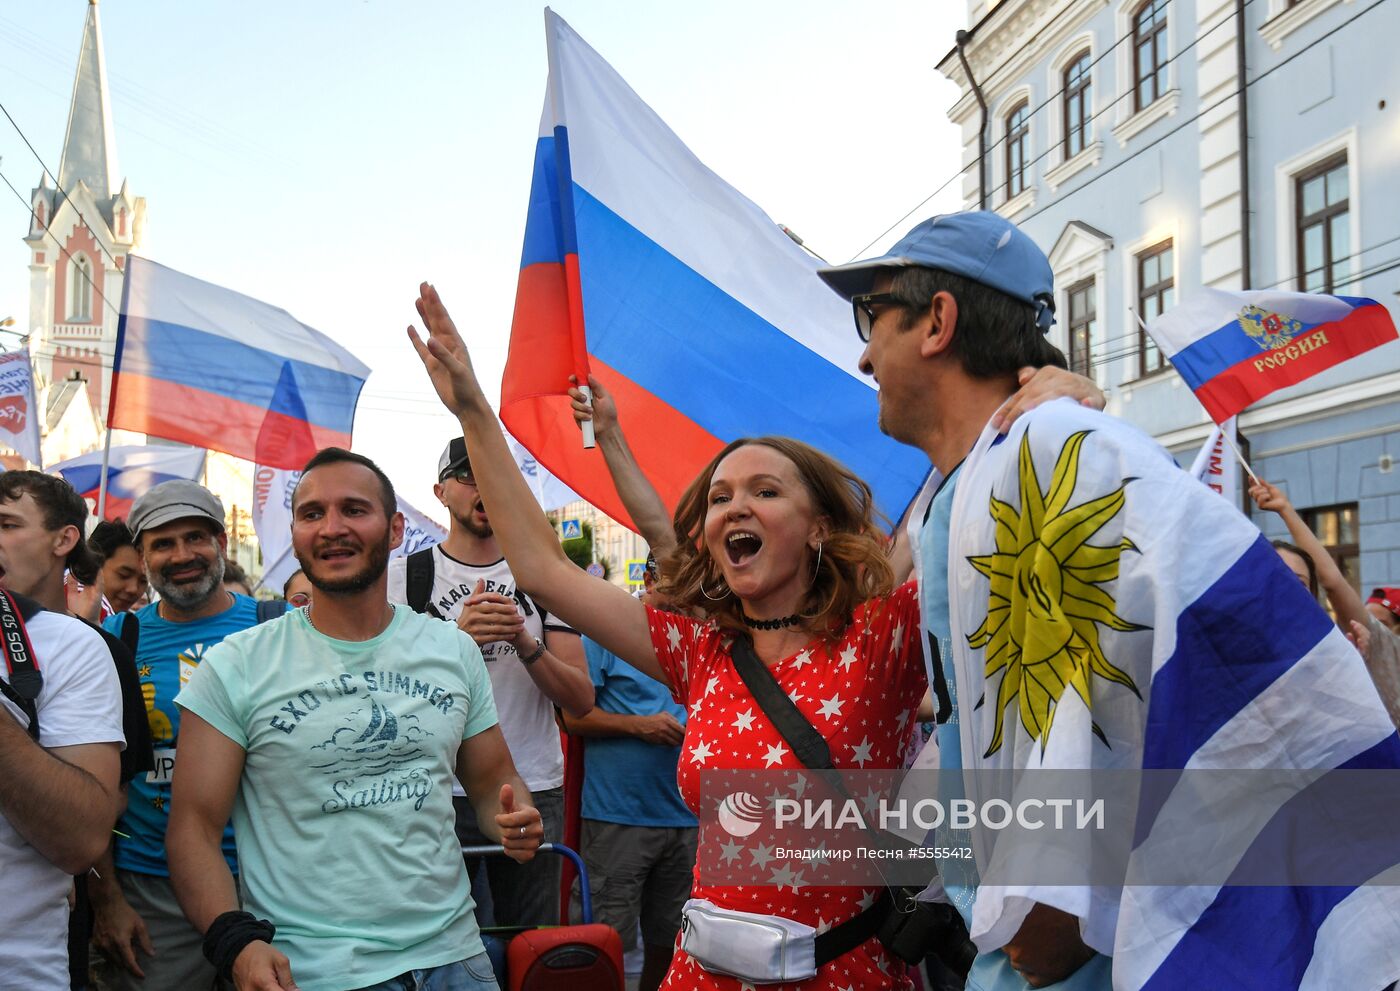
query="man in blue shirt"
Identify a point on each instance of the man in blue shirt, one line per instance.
(142, 938)
(638, 836)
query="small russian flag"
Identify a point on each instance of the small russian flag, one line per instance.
(1234, 348)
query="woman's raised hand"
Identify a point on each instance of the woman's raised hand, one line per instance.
(444, 355)
(1268, 497)
(602, 410)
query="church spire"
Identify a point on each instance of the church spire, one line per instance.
(89, 150)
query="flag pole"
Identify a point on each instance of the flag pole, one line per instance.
(269, 567)
(102, 484)
(1225, 435)
(112, 386)
(573, 286)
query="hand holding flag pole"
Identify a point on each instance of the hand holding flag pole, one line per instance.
(587, 425)
(1225, 434)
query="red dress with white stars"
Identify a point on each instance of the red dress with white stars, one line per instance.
(860, 692)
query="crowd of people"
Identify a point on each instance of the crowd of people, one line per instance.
(209, 789)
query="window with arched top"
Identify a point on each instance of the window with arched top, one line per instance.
(1149, 53)
(1018, 148)
(79, 289)
(1077, 105)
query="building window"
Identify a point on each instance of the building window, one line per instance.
(1081, 325)
(1077, 106)
(1018, 149)
(1156, 293)
(79, 289)
(1337, 528)
(1322, 206)
(1149, 53)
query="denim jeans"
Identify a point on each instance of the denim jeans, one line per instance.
(471, 974)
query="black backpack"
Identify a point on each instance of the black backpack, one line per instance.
(418, 581)
(23, 682)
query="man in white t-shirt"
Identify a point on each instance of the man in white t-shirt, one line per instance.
(535, 662)
(59, 794)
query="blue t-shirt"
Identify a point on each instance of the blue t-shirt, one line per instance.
(959, 876)
(990, 971)
(627, 780)
(167, 653)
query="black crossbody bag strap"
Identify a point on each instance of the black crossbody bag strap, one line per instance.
(130, 633)
(23, 681)
(809, 747)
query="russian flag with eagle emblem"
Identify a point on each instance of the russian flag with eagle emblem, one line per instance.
(1234, 348)
(1110, 613)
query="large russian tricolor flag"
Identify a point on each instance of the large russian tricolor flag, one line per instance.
(131, 471)
(1234, 348)
(211, 367)
(689, 304)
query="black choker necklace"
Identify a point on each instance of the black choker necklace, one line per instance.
(771, 624)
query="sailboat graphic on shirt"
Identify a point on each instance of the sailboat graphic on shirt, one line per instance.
(382, 730)
(371, 739)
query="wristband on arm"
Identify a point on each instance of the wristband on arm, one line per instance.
(229, 934)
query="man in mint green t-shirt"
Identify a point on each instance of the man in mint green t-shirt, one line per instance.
(332, 735)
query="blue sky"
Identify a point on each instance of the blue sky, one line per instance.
(327, 156)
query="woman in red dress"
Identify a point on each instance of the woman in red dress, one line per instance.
(776, 543)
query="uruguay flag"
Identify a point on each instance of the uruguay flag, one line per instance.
(211, 367)
(1110, 613)
(1234, 348)
(689, 304)
(131, 471)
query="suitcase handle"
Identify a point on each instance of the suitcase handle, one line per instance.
(585, 898)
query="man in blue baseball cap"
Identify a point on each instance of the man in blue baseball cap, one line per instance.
(950, 316)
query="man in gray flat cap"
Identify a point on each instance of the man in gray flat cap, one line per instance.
(142, 937)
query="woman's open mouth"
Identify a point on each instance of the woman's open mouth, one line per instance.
(742, 546)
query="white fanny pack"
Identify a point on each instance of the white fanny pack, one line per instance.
(759, 949)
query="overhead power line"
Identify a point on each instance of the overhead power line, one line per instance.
(1054, 97)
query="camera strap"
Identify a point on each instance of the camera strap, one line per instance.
(811, 749)
(23, 681)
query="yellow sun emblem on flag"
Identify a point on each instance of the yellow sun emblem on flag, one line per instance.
(1046, 601)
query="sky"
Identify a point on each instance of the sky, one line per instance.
(326, 157)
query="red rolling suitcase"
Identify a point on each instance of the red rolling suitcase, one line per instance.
(586, 957)
(579, 958)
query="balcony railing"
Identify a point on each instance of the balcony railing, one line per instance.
(83, 331)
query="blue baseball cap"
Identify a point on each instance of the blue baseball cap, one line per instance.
(979, 245)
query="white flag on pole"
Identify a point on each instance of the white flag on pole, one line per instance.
(272, 519)
(419, 531)
(1216, 465)
(19, 413)
(548, 490)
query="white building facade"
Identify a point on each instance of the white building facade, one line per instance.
(1152, 147)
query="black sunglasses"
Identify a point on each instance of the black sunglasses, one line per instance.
(463, 475)
(863, 305)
